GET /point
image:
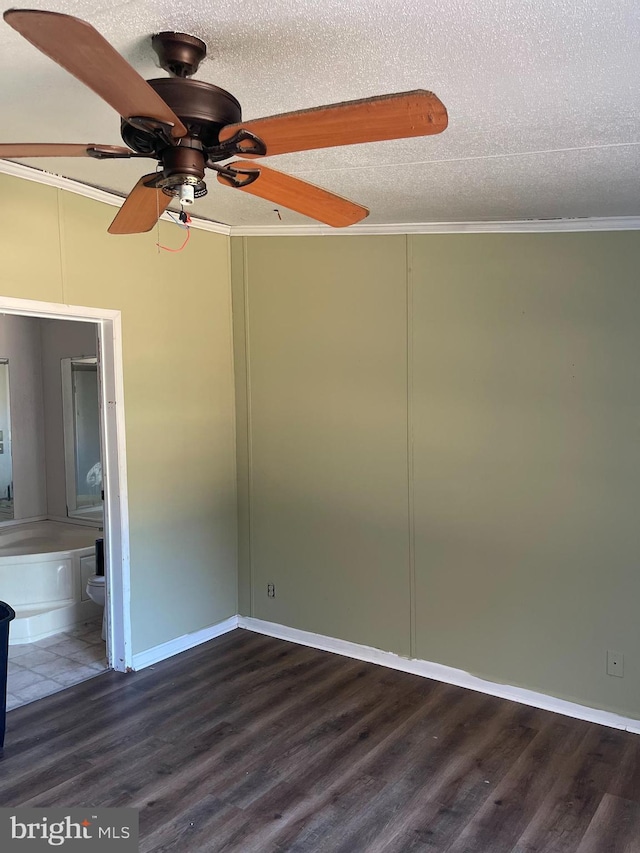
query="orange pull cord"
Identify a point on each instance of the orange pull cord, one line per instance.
(186, 219)
(186, 240)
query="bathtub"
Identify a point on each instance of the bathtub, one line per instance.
(44, 567)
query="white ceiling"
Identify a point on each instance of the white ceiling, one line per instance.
(543, 99)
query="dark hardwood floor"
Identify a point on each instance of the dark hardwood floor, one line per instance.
(255, 745)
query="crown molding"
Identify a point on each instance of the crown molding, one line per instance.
(518, 226)
(19, 170)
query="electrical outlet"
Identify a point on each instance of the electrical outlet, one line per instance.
(271, 590)
(615, 664)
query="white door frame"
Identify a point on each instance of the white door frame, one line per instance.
(116, 505)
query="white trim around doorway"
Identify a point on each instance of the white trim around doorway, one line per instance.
(116, 505)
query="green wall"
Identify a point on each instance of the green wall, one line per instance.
(178, 384)
(437, 436)
(439, 449)
(328, 403)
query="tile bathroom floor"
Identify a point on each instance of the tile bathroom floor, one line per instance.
(38, 669)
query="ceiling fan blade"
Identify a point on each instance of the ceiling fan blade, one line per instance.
(54, 149)
(82, 51)
(141, 209)
(295, 194)
(418, 113)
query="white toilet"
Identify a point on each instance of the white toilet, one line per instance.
(97, 592)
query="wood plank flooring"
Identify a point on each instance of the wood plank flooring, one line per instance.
(253, 745)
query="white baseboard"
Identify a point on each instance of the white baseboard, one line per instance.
(424, 668)
(438, 672)
(182, 644)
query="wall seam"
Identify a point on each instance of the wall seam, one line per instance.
(410, 478)
(247, 362)
(234, 410)
(61, 249)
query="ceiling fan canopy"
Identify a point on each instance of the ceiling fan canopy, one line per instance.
(189, 126)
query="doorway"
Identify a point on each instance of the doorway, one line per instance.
(108, 479)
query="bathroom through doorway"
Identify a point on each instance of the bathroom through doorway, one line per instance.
(81, 466)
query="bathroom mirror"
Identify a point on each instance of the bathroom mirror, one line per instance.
(83, 460)
(6, 468)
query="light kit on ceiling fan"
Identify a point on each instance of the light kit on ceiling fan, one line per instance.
(189, 126)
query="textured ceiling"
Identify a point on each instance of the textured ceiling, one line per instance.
(543, 99)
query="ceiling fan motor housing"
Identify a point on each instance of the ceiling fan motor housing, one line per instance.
(203, 108)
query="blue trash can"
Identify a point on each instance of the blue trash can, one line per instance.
(7, 613)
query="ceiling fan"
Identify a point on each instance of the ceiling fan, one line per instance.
(189, 125)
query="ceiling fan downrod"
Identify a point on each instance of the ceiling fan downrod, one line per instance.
(179, 54)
